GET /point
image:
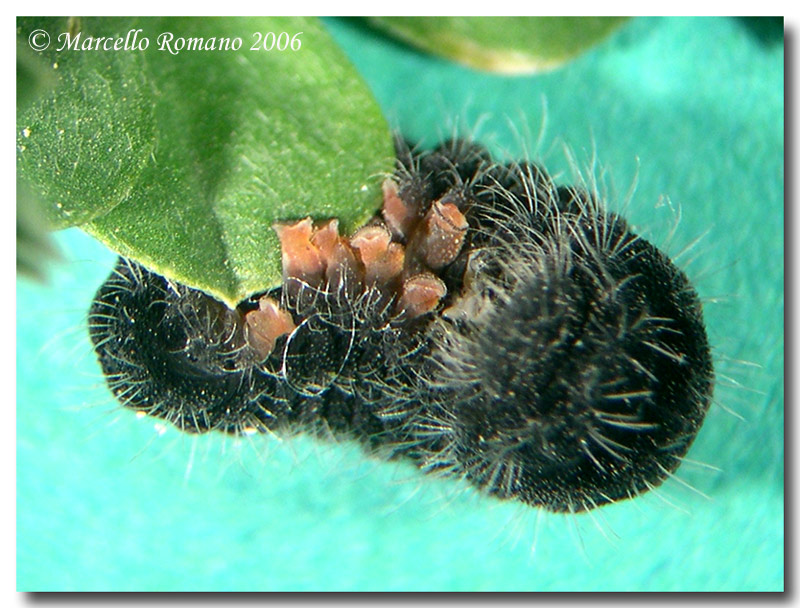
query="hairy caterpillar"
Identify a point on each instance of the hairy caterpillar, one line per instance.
(486, 324)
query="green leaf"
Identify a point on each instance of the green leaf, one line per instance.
(512, 45)
(34, 246)
(184, 160)
(34, 76)
(83, 146)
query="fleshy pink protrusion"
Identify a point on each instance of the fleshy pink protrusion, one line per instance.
(301, 259)
(343, 267)
(421, 294)
(399, 217)
(371, 242)
(390, 266)
(444, 228)
(325, 238)
(265, 325)
(382, 259)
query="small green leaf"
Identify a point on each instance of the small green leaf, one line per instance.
(34, 77)
(183, 159)
(83, 146)
(34, 245)
(511, 45)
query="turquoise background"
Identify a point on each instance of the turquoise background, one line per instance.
(692, 109)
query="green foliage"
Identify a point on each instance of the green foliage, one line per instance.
(34, 245)
(502, 44)
(185, 161)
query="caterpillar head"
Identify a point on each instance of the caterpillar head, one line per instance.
(177, 354)
(575, 370)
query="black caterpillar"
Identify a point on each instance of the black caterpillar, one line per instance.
(486, 324)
